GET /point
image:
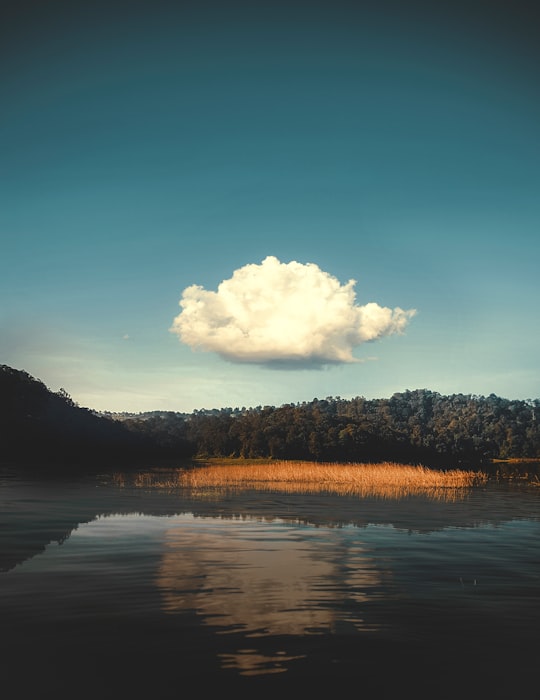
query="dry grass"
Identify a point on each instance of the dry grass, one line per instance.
(385, 480)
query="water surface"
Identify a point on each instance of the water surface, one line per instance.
(110, 590)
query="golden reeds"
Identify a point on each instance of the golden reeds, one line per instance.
(384, 480)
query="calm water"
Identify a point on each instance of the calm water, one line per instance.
(110, 591)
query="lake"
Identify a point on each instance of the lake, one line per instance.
(110, 590)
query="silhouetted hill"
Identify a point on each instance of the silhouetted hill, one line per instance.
(39, 426)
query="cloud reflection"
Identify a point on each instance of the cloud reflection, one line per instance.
(264, 579)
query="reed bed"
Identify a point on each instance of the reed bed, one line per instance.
(384, 480)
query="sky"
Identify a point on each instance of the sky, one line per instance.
(233, 204)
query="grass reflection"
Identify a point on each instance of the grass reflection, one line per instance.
(384, 480)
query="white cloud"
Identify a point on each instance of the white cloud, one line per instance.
(290, 313)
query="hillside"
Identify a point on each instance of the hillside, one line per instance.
(418, 426)
(421, 426)
(39, 427)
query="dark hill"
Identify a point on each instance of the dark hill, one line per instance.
(40, 427)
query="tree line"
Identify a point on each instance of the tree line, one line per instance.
(419, 426)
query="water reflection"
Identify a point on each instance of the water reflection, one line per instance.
(35, 512)
(265, 579)
(272, 584)
(271, 579)
(251, 662)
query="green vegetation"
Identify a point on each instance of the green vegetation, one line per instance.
(414, 427)
(418, 427)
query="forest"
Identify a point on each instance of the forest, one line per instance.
(418, 426)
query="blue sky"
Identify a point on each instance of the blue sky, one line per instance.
(149, 147)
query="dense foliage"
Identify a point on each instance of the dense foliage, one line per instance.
(414, 426)
(419, 426)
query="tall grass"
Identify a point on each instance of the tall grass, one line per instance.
(384, 480)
